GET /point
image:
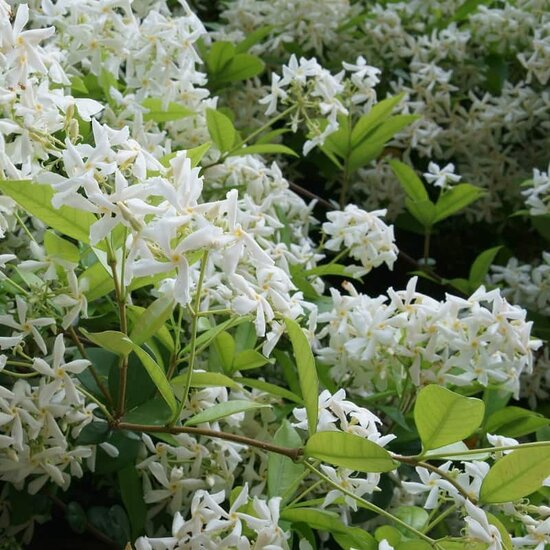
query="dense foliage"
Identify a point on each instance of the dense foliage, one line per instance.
(211, 333)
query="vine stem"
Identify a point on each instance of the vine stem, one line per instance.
(370, 506)
(440, 517)
(194, 325)
(292, 453)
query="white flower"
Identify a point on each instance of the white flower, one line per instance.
(479, 529)
(441, 177)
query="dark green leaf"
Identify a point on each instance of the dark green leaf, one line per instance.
(75, 516)
(515, 422)
(154, 412)
(131, 491)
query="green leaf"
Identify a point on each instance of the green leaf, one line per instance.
(423, 211)
(282, 472)
(410, 182)
(204, 339)
(339, 270)
(414, 516)
(162, 334)
(78, 86)
(268, 137)
(222, 410)
(253, 38)
(367, 123)
(221, 130)
(443, 417)
(157, 376)
(515, 422)
(241, 67)
(159, 113)
(516, 475)
(323, 520)
(131, 491)
(225, 348)
(153, 412)
(364, 153)
(349, 451)
(204, 380)
(456, 199)
(264, 149)
(111, 340)
(76, 517)
(196, 153)
(269, 388)
(466, 8)
(507, 543)
(96, 282)
(481, 265)
(152, 320)
(220, 54)
(248, 359)
(57, 247)
(307, 373)
(36, 199)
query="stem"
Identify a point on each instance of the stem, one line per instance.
(23, 226)
(292, 453)
(97, 402)
(443, 475)
(426, 255)
(123, 328)
(475, 451)
(19, 374)
(305, 492)
(192, 351)
(91, 368)
(19, 364)
(369, 505)
(440, 518)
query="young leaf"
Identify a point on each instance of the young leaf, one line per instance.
(264, 149)
(410, 182)
(241, 67)
(516, 475)
(96, 281)
(225, 347)
(196, 153)
(111, 340)
(269, 388)
(443, 417)
(248, 359)
(220, 54)
(157, 376)
(367, 123)
(365, 152)
(424, 211)
(456, 199)
(159, 113)
(481, 265)
(307, 373)
(282, 472)
(222, 410)
(515, 422)
(204, 380)
(36, 199)
(349, 451)
(221, 130)
(152, 320)
(57, 247)
(253, 38)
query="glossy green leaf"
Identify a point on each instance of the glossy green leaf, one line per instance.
(349, 451)
(248, 359)
(364, 153)
(443, 417)
(96, 281)
(282, 472)
(240, 67)
(456, 199)
(410, 182)
(222, 410)
(391, 126)
(220, 54)
(307, 373)
(162, 334)
(278, 391)
(515, 422)
(378, 113)
(264, 149)
(516, 475)
(423, 211)
(153, 412)
(507, 543)
(323, 520)
(204, 380)
(158, 112)
(225, 348)
(482, 264)
(157, 375)
(62, 249)
(414, 516)
(221, 130)
(75, 516)
(206, 337)
(131, 491)
(152, 320)
(111, 340)
(36, 199)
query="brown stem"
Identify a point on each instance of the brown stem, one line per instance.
(91, 368)
(293, 454)
(439, 472)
